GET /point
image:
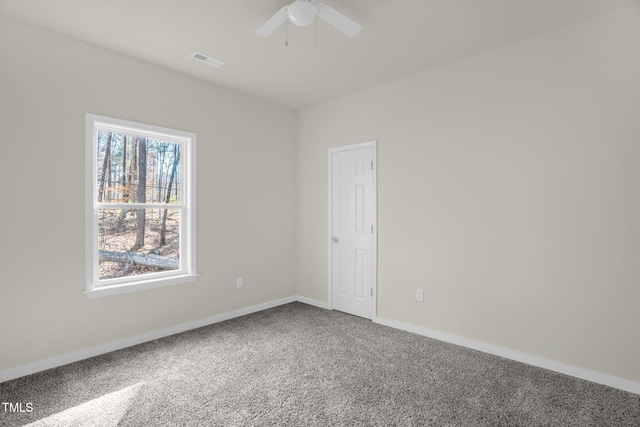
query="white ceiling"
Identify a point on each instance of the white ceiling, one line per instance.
(400, 37)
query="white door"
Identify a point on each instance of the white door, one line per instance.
(352, 217)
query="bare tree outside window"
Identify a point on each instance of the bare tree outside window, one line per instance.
(134, 170)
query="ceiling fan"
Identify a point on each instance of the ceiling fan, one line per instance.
(303, 13)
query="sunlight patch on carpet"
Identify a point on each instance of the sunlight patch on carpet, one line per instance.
(105, 410)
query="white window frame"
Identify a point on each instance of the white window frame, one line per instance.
(187, 271)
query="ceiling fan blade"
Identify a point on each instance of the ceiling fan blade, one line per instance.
(273, 23)
(338, 20)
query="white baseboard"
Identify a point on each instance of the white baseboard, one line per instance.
(64, 359)
(596, 377)
(314, 302)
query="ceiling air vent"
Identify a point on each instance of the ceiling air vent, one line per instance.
(207, 59)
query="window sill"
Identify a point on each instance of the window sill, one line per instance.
(105, 291)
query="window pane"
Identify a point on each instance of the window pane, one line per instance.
(130, 241)
(137, 170)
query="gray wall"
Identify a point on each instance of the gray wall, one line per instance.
(508, 188)
(246, 194)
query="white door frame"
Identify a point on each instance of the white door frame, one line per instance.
(374, 145)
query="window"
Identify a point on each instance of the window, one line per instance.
(140, 206)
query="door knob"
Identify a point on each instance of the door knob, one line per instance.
(335, 239)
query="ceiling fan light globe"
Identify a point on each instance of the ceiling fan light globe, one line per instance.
(301, 13)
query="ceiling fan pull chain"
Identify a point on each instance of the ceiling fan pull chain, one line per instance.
(286, 33)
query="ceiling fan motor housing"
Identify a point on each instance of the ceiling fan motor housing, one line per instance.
(302, 12)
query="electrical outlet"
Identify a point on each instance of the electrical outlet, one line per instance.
(239, 282)
(420, 295)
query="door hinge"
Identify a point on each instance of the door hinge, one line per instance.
(371, 291)
(371, 164)
(371, 228)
